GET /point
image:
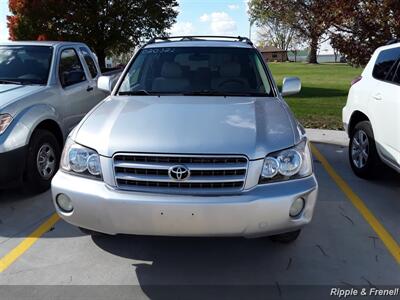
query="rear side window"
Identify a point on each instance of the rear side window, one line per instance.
(385, 64)
(90, 62)
(396, 77)
(70, 70)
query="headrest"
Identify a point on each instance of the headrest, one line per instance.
(230, 70)
(171, 70)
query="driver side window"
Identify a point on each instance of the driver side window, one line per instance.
(70, 69)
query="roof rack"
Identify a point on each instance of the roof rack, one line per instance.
(394, 41)
(199, 37)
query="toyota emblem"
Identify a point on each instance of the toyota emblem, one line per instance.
(179, 173)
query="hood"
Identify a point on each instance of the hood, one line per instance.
(12, 92)
(188, 125)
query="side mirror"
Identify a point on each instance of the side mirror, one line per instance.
(291, 86)
(104, 84)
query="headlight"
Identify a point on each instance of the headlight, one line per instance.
(80, 160)
(271, 167)
(287, 164)
(290, 162)
(5, 121)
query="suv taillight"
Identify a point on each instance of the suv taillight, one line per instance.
(355, 80)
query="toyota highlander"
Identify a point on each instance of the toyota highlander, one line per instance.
(194, 140)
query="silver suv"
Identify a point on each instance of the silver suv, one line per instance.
(195, 140)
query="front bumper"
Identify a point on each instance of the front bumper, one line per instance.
(263, 210)
(12, 166)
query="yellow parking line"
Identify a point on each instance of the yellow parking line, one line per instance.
(28, 242)
(383, 234)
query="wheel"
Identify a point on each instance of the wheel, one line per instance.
(287, 237)
(91, 232)
(42, 161)
(362, 150)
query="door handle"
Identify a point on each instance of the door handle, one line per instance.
(89, 88)
(377, 97)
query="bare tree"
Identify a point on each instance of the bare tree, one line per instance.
(311, 18)
(275, 33)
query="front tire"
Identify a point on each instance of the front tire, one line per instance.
(363, 155)
(91, 232)
(287, 237)
(42, 161)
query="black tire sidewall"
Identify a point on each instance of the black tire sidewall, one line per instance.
(34, 182)
(91, 232)
(367, 170)
(287, 237)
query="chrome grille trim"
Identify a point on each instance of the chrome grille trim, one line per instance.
(166, 166)
(209, 173)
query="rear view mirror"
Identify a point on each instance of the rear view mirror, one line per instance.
(104, 83)
(291, 86)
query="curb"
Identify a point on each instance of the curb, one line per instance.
(325, 136)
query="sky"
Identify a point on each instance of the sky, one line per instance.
(201, 17)
(215, 17)
(3, 20)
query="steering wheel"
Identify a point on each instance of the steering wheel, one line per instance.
(222, 83)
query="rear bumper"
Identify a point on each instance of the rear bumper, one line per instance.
(12, 165)
(264, 210)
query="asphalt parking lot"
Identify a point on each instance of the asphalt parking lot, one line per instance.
(353, 240)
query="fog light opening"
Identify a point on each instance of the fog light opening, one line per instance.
(64, 203)
(297, 207)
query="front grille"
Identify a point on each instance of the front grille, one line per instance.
(208, 174)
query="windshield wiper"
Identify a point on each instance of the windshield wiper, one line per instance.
(20, 82)
(194, 93)
(133, 93)
(225, 94)
(147, 93)
(5, 81)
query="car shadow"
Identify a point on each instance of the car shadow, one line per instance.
(11, 195)
(22, 213)
(316, 92)
(386, 177)
(202, 268)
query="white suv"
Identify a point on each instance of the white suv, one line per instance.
(371, 115)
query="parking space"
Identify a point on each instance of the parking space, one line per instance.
(340, 246)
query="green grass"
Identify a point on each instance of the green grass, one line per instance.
(324, 91)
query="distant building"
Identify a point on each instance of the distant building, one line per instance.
(272, 53)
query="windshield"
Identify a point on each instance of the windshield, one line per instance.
(197, 71)
(25, 64)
